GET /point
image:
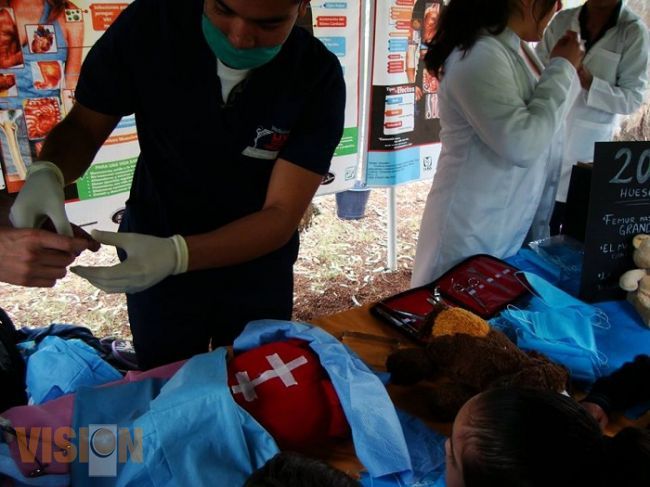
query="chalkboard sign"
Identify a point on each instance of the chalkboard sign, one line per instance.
(619, 209)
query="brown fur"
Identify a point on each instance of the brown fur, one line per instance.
(472, 364)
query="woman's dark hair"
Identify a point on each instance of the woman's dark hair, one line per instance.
(531, 438)
(461, 22)
(288, 469)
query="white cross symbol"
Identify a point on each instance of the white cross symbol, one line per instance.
(278, 369)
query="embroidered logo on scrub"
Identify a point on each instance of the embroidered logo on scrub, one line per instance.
(267, 143)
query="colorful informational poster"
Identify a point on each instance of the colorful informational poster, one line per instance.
(41, 51)
(337, 25)
(403, 140)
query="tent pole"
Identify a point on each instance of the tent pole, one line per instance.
(365, 79)
(391, 244)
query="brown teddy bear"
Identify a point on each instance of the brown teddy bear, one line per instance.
(637, 281)
(472, 357)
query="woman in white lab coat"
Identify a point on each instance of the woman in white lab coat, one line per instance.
(612, 78)
(499, 113)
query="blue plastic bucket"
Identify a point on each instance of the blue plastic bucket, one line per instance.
(351, 204)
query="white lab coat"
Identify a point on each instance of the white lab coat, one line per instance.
(619, 64)
(497, 122)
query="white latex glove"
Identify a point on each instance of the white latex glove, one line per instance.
(149, 260)
(41, 197)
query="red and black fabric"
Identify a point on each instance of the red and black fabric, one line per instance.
(284, 387)
(481, 284)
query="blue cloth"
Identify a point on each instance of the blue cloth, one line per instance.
(9, 469)
(389, 481)
(551, 270)
(376, 431)
(128, 401)
(60, 367)
(624, 340)
(393, 481)
(560, 326)
(427, 451)
(64, 331)
(426, 448)
(193, 432)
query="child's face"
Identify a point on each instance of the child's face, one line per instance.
(454, 446)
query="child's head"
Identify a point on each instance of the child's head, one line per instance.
(293, 470)
(521, 437)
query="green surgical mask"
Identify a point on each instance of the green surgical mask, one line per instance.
(231, 56)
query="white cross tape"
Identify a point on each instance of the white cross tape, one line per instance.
(278, 369)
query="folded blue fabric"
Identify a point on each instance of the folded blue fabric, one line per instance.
(60, 367)
(376, 431)
(127, 402)
(193, 432)
(394, 481)
(427, 451)
(67, 332)
(561, 265)
(561, 327)
(620, 343)
(626, 338)
(9, 469)
(426, 448)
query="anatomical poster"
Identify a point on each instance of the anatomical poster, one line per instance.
(42, 46)
(403, 141)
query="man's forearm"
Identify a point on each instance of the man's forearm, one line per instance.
(240, 241)
(70, 149)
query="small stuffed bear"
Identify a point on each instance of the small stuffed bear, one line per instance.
(473, 357)
(637, 281)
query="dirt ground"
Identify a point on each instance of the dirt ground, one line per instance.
(342, 264)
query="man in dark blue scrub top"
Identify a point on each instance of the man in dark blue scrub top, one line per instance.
(238, 114)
